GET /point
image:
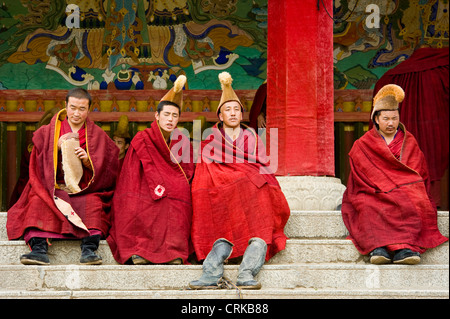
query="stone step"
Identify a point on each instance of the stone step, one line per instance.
(264, 293)
(315, 224)
(303, 224)
(162, 277)
(67, 252)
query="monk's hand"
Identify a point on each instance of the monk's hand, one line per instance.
(66, 137)
(261, 121)
(82, 155)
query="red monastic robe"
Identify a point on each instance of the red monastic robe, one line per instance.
(232, 199)
(23, 178)
(387, 199)
(395, 146)
(45, 207)
(152, 208)
(258, 106)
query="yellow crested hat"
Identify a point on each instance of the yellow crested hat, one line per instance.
(388, 98)
(122, 128)
(175, 94)
(228, 93)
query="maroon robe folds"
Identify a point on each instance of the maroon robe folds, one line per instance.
(45, 207)
(235, 196)
(23, 178)
(396, 144)
(259, 106)
(152, 208)
(387, 199)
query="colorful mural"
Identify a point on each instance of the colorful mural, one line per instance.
(146, 44)
(363, 53)
(131, 44)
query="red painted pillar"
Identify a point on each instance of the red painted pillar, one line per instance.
(300, 86)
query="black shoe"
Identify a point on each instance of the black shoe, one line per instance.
(38, 255)
(380, 256)
(407, 257)
(88, 247)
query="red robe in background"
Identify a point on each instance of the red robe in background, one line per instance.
(232, 199)
(152, 208)
(23, 178)
(45, 207)
(387, 200)
(424, 77)
(259, 106)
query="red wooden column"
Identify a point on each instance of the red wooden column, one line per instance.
(300, 86)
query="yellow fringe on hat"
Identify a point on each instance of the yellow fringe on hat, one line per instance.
(225, 79)
(387, 98)
(390, 89)
(179, 83)
(175, 94)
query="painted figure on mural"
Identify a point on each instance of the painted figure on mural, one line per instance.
(239, 209)
(62, 199)
(362, 51)
(137, 37)
(387, 207)
(152, 210)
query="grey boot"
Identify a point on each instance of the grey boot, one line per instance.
(213, 265)
(251, 264)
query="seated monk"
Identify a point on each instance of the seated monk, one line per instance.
(58, 202)
(152, 209)
(238, 206)
(387, 207)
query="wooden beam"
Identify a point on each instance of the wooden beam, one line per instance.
(139, 95)
(351, 116)
(33, 117)
(30, 117)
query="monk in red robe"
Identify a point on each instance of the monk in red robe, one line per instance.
(238, 206)
(47, 207)
(425, 78)
(387, 207)
(152, 208)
